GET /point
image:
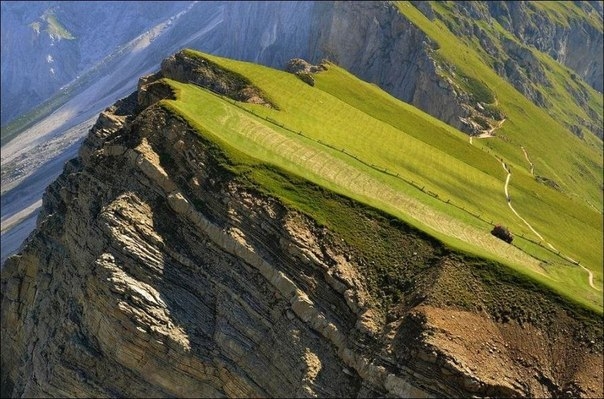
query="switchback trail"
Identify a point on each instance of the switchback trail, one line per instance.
(529, 161)
(509, 201)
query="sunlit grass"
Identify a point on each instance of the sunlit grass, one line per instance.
(333, 138)
(526, 124)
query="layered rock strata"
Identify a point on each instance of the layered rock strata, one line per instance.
(155, 271)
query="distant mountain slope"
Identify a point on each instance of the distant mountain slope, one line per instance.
(46, 44)
(371, 39)
(525, 43)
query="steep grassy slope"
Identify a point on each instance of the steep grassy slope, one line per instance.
(539, 130)
(570, 164)
(356, 140)
(483, 42)
(531, 198)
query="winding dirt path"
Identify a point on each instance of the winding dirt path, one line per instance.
(488, 134)
(529, 161)
(591, 278)
(311, 154)
(509, 201)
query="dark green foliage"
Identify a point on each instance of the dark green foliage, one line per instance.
(479, 91)
(502, 233)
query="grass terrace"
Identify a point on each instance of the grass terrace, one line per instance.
(352, 138)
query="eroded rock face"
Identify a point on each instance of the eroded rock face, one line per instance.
(572, 45)
(184, 285)
(154, 271)
(298, 65)
(204, 73)
(304, 70)
(375, 42)
(572, 40)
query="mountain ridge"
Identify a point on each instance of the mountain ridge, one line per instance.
(174, 289)
(230, 224)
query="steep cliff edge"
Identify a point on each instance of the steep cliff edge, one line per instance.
(159, 268)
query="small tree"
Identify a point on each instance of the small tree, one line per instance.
(502, 233)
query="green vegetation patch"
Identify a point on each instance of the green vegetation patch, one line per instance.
(543, 133)
(224, 81)
(56, 29)
(479, 91)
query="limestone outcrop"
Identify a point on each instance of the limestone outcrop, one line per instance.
(304, 70)
(155, 271)
(204, 73)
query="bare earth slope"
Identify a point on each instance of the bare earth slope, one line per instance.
(157, 270)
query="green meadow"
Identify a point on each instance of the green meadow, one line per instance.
(350, 137)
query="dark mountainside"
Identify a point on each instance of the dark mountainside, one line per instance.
(156, 271)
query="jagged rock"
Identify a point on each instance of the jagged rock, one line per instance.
(304, 70)
(204, 73)
(298, 65)
(155, 272)
(157, 298)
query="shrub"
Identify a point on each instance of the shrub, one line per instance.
(502, 233)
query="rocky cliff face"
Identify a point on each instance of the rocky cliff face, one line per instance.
(575, 44)
(375, 42)
(156, 271)
(572, 40)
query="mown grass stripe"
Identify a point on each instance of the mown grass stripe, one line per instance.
(455, 196)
